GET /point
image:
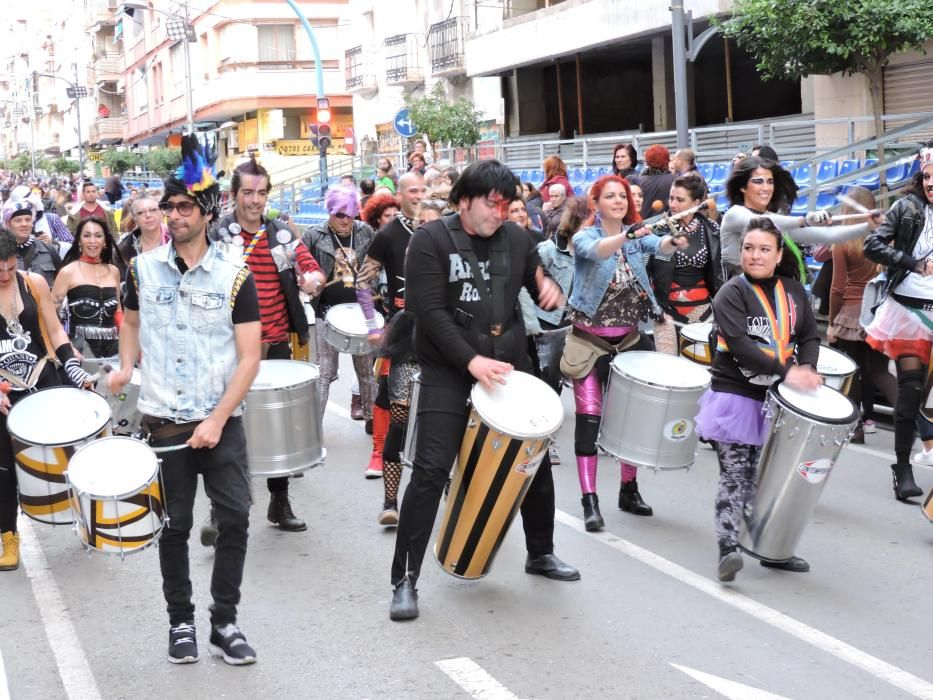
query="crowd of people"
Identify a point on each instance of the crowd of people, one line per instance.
(463, 277)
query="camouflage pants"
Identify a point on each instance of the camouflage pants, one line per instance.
(737, 468)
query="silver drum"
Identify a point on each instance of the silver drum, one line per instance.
(805, 431)
(411, 429)
(282, 419)
(345, 329)
(125, 417)
(650, 408)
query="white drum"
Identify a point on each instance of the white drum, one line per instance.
(694, 343)
(836, 368)
(650, 409)
(345, 329)
(117, 495)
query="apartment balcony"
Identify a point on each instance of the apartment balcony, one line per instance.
(446, 44)
(403, 60)
(104, 11)
(107, 68)
(360, 72)
(106, 130)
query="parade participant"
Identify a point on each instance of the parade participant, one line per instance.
(638, 197)
(193, 313)
(759, 187)
(88, 207)
(390, 411)
(767, 332)
(90, 283)
(464, 336)
(611, 294)
(655, 179)
(32, 254)
(149, 232)
(379, 211)
(624, 160)
(685, 282)
(339, 245)
(281, 264)
(903, 325)
(29, 331)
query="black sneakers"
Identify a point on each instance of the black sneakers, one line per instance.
(229, 642)
(182, 644)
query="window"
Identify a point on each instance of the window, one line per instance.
(276, 44)
(140, 90)
(176, 57)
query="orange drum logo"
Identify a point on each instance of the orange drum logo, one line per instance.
(678, 430)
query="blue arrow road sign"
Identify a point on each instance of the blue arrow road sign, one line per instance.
(403, 123)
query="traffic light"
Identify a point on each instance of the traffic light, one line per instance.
(323, 124)
(315, 138)
(323, 139)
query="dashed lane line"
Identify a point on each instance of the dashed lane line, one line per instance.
(470, 676)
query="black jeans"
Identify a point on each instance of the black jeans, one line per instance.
(226, 481)
(278, 351)
(442, 417)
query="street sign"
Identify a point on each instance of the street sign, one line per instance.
(403, 123)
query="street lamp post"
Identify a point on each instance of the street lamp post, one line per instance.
(75, 92)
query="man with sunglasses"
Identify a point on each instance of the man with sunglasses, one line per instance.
(193, 313)
(465, 334)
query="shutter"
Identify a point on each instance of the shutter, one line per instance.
(908, 89)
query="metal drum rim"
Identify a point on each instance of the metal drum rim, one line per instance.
(800, 413)
(73, 441)
(124, 438)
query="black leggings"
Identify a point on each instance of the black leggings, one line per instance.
(911, 373)
(871, 376)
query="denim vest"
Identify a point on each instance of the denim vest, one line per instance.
(185, 333)
(560, 267)
(593, 274)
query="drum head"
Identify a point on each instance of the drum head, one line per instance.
(58, 416)
(697, 332)
(280, 374)
(661, 370)
(833, 363)
(349, 318)
(825, 405)
(112, 466)
(525, 407)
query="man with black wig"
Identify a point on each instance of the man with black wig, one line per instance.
(461, 339)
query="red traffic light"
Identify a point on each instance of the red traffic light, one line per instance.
(324, 139)
(323, 116)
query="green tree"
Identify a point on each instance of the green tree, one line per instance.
(443, 121)
(22, 163)
(797, 38)
(63, 166)
(120, 161)
(162, 161)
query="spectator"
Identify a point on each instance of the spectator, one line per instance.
(656, 179)
(554, 210)
(385, 175)
(379, 211)
(88, 207)
(624, 160)
(555, 173)
(113, 189)
(416, 162)
(367, 188)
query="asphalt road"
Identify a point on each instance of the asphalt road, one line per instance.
(647, 620)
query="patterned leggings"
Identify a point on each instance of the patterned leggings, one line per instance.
(737, 468)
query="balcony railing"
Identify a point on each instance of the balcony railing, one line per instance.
(403, 60)
(358, 70)
(108, 68)
(106, 130)
(446, 43)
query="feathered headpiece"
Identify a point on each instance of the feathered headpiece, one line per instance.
(196, 174)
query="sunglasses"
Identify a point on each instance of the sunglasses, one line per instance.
(760, 181)
(183, 208)
(340, 215)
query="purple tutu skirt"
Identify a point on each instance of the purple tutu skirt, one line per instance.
(725, 417)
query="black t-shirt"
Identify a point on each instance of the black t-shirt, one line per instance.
(340, 293)
(441, 294)
(388, 249)
(245, 306)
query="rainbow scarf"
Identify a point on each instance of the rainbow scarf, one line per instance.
(782, 318)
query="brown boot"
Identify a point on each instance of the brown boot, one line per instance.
(10, 559)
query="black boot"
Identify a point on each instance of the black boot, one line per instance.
(280, 513)
(592, 518)
(630, 500)
(404, 604)
(904, 485)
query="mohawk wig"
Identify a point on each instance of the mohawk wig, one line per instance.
(195, 176)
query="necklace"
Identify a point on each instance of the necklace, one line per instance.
(96, 269)
(349, 254)
(89, 260)
(14, 328)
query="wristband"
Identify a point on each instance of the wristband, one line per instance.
(65, 352)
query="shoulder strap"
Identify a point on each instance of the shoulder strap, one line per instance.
(33, 292)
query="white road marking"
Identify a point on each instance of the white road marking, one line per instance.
(731, 689)
(473, 679)
(882, 670)
(887, 456)
(72, 664)
(4, 688)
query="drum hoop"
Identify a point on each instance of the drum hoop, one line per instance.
(380, 322)
(154, 478)
(59, 444)
(302, 383)
(646, 382)
(838, 373)
(822, 420)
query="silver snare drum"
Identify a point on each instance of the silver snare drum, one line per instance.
(805, 431)
(411, 430)
(649, 413)
(836, 368)
(282, 419)
(345, 329)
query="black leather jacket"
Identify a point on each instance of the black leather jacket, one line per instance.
(892, 244)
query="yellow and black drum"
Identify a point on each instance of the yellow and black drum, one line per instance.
(46, 429)
(928, 506)
(694, 343)
(507, 436)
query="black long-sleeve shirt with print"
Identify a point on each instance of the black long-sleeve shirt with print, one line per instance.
(745, 369)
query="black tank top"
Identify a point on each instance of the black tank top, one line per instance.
(20, 353)
(91, 310)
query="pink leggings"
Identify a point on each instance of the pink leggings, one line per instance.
(588, 396)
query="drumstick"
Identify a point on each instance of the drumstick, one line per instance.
(171, 448)
(13, 379)
(846, 217)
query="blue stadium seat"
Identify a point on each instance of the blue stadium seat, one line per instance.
(536, 176)
(576, 175)
(706, 170)
(848, 166)
(719, 175)
(873, 181)
(826, 199)
(590, 175)
(827, 171)
(802, 175)
(600, 172)
(722, 202)
(579, 190)
(800, 207)
(897, 174)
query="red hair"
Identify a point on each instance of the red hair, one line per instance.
(375, 208)
(632, 215)
(554, 166)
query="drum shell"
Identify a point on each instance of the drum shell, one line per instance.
(840, 382)
(353, 342)
(695, 349)
(121, 523)
(837, 369)
(493, 474)
(648, 425)
(928, 506)
(411, 429)
(283, 429)
(794, 465)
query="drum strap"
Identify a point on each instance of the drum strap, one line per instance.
(42, 329)
(497, 312)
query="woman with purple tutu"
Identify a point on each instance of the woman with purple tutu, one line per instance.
(767, 333)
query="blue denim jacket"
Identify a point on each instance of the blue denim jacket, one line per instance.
(593, 274)
(560, 267)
